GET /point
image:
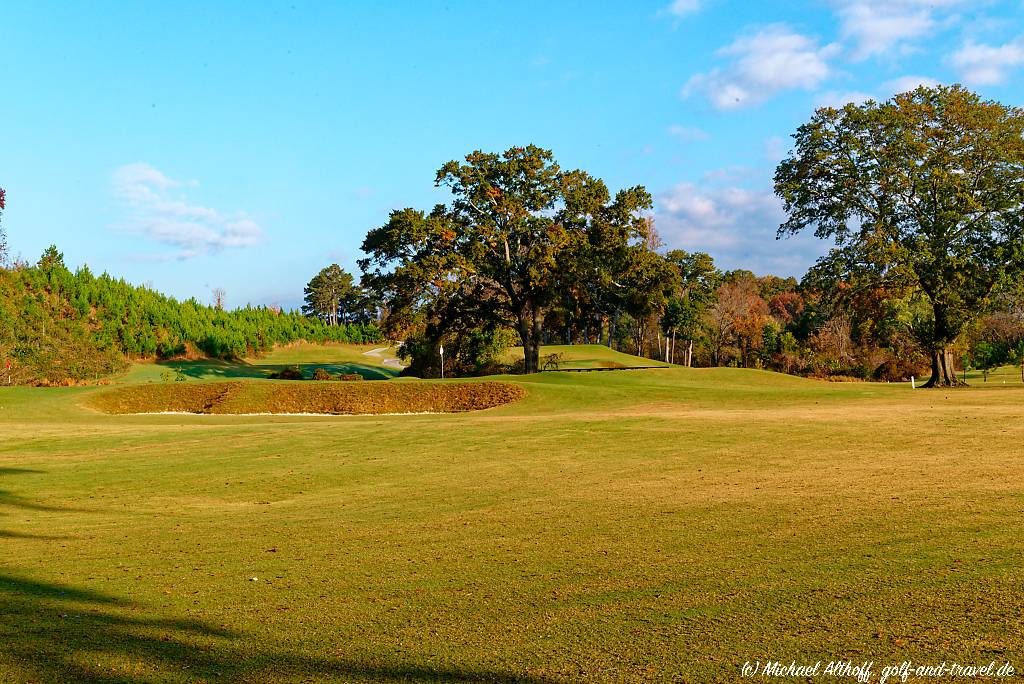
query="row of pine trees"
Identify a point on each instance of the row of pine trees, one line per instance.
(56, 325)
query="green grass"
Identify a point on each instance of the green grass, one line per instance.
(1002, 375)
(585, 356)
(656, 525)
(334, 358)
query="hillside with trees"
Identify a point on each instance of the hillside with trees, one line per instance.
(59, 326)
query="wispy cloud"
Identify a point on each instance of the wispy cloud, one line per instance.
(890, 27)
(687, 133)
(735, 224)
(980, 64)
(682, 8)
(158, 208)
(838, 99)
(905, 83)
(765, 63)
(886, 90)
(775, 149)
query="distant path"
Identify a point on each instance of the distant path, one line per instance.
(379, 353)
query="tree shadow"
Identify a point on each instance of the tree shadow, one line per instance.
(9, 499)
(56, 632)
(20, 471)
(221, 369)
(60, 633)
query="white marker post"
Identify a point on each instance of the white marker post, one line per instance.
(913, 385)
(440, 348)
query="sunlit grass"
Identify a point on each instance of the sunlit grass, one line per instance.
(653, 525)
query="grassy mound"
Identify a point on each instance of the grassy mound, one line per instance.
(586, 356)
(309, 397)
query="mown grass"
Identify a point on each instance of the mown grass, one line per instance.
(655, 525)
(585, 356)
(336, 359)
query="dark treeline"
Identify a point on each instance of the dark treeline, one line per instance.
(816, 327)
(700, 315)
(58, 325)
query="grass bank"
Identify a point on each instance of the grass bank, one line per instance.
(635, 526)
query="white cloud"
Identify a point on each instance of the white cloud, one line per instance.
(980, 64)
(736, 225)
(687, 133)
(837, 99)
(890, 27)
(681, 8)
(159, 210)
(907, 83)
(765, 63)
(886, 90)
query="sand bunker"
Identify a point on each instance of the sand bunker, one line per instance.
(331, 398)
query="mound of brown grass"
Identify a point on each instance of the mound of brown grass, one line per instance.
(240, 397)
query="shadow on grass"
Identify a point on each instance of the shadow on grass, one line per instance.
(55, 632)
(58, 633)
(220, 369)
(10, 500)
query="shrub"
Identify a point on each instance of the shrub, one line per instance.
(288, 373)
(321, 374)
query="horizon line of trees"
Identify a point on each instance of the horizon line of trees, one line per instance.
(923, 195)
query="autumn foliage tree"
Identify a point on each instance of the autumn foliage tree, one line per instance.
(924, 191)
(518, 232)
(3, 235)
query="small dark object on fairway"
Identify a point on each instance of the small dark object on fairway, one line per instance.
(289, 373)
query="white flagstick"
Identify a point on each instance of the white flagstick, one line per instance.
(440, 348)
(913, 385)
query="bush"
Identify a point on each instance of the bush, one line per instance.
(321, 374)
(350, 377)
(289, 373)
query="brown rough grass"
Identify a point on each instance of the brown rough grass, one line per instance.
(239, 397)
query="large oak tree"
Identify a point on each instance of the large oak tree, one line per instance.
(518, 233)
(924, 191)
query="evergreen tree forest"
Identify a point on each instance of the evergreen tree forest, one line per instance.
(59, 326)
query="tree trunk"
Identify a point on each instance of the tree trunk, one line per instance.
(943, 371)
(537, 335)
(525, 329)
(943, 336)
(612, 325)
(689, 354)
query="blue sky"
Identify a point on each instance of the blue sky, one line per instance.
(246, 145)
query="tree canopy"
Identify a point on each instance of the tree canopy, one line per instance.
(519, 236)
(922, 192)
(333, 296)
